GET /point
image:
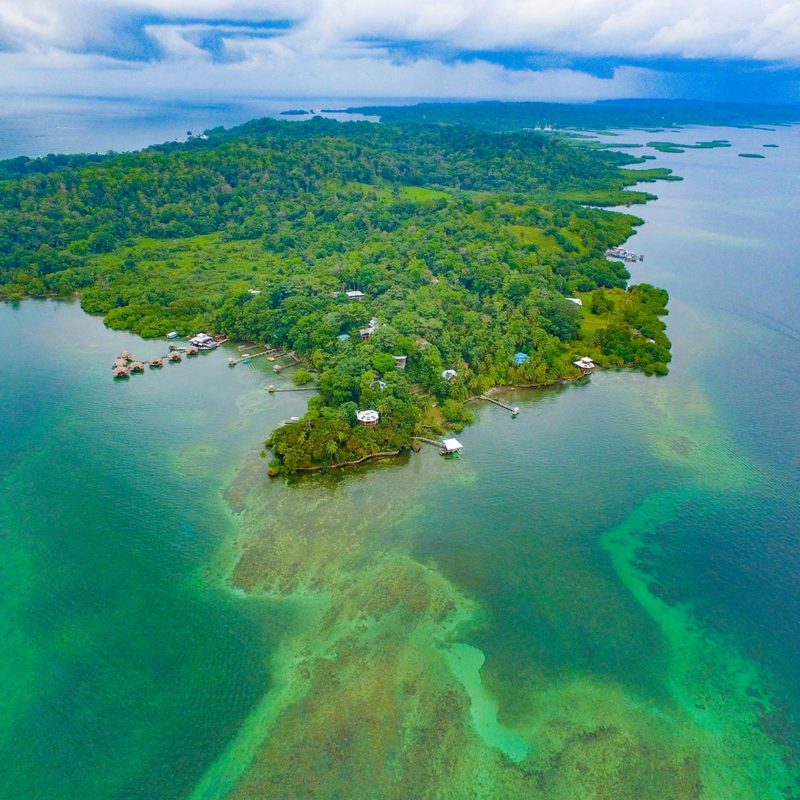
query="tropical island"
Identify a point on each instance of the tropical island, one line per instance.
(411, 267)
(680, 147)
(644, 114)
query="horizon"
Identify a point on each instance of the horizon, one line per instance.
(217, 50)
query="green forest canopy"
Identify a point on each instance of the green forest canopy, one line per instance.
(601, 115)
(466, 245)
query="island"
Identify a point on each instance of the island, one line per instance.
(410, 267)
(652, 115)
(677, 147)
(751, 155)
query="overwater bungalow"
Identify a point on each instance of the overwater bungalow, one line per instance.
(125, 355)
(120, 372)
(119, 362)
(204, 342)
(174, 357)
(192, 351)
(136, 366)
(156, 363)
(451, 447)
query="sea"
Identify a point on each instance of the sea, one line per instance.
(599, 599)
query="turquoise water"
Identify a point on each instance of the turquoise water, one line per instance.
(123, 669)
(598, 600)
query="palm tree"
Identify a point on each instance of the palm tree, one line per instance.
(332, 448)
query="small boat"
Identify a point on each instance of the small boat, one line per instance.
(246, 358)
(172, 335)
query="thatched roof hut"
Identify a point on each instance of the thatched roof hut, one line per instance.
(136, 366)
(120, 372)
(192, 351)
(174, 357)
(156, 363)
(126, 355)
(120, 362)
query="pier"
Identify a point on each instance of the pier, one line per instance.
(434, 442)
(271, 353)
(513, 409)
(272, 389)
(447, 447)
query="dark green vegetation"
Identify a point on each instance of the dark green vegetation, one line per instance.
(770, 145)
(751, 155)
(603, 114)
(676, 147)
(465, 244)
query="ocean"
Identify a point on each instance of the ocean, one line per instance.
(599, 599)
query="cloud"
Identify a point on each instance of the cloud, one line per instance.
(423, 48)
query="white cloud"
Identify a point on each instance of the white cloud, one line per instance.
(714, 28)
(328, 47)
(274, 69)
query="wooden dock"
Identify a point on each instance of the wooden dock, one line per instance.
(271, 353)
(245, 358)
(434, 442)
(513, 409)
(272, 389)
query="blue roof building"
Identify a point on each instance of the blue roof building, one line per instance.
(520, 358)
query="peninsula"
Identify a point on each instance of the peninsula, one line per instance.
(411, 267)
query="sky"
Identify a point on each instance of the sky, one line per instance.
(505, 49)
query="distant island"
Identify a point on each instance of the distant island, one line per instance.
(410, 267)
(675, 147)
(751, 155)
(295, 112)
(644, 114)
